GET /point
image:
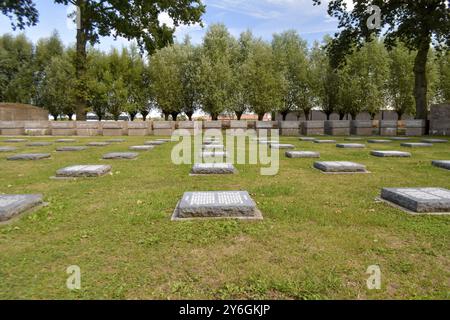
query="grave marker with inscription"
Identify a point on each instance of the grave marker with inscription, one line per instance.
(390, 154)
(70, 148)
(340, 167)
(302, 154)
(14, 205)
(213, 168)
(444, 164)
(142, 148)
(350, 146)
(120, 156)
(29, 156)
(419, 200)
(7, 149)
(416, 145)
(83, 171)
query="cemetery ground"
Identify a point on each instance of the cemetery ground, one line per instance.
(319, 235)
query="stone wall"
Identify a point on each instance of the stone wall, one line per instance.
(22, 112)
(440, 120)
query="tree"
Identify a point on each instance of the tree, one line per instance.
(215, 76)
(137, 20)
(189, 75)
(22, 13)
(415, 23)
(98, 79)
(444, 78)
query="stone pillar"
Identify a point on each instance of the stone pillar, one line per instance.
(313, 128)
(63, 128)
(414, 127)
(337, 127)
(264, 126)
(361, 127)
(289, 128)
(190, 126)
(388, 127)
(163, 128)
(212, 125)
(139, 128)
(238, 127)
(114, 128)
(88, 128)
(440, 119)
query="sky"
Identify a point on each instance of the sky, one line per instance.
(262, 17)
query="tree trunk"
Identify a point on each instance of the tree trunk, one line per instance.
(214, 117)
(307, 112)
(189, 114)
(399, 115)
(166, 116)
(239, 114)
(174, 115)
(132, 116)
(421, 85)
(144, 115)
(70, 115)
(55, 117)
(328, 115)
(116, 117)
(261, 116)
(341, 116)
(80, 66)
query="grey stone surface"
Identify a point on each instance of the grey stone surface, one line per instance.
(116, 140)
(70, 148)
(339, 166)
(154, 143)
(262, 141)
(307, 139)
(209, 142)
(434, 140)
(215, 154)
(213, 168)
(39, 144)
(445, 164)
(390, 154)
(66, 141)
(29, 156)
(324, 141)
(416, 144)
(302, 154)
(353, 139)
(83, 171)
(379, 141)
(7, 149)
(164, 140)
(120, 155)
(399, 138)
(98, 144)
(219, 204)
(142, 148)
(15, 140)
(213, 147)
(419, 200)
(351, 145)
(281, 146)
(13, 205)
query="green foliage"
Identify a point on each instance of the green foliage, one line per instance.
(22, 13)
(444, 78)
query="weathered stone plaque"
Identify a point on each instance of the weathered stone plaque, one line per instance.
(15, 140)
(281, 146)
(307, 139)
(353, 139)
(98, 144)
(390, 154)
(116, 140)
(70, 148)
(215, 154)
(351, 145)
(379, 141)
(164, 140)
(154, 143)
(14, 205)
(142, 148)
(7, 149)
(120, 156)
(419, 200)
(324, 141)
(399, 138)
(29, 156)
(416, 145)
(213, 168)
(445, 164)
(39, 144)
(218, 204)
(83, 171)
(302, 154)
(434, 140)
(213, 147)
(66, 141)
(340, 167)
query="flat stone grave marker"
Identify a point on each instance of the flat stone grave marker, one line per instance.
(390, 154)
(213, 147)
(164, 140)
(281, 146)
(307, 139)
(268, 142)
(16, 204)
(302, 154)
(350, 145)
(66, 141)
(419, 200)
(434, 140)
(142, 148)
(340, 167)
(399, 138)
(98, 144)
(353, 139)
(154, 143)
(215, 154)
(7, 149)
(213, 168)
(120, 156)
(29, 156)
(70, 148)
(216, 204)
(209, 142)
(379, 141)
(324, 141)
(445, 164)
(15, 140)
(116, 140)
(83, 171)
(39, 144)
(416, 144)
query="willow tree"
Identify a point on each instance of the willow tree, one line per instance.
(415, 23)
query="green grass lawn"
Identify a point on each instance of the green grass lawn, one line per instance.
(319, 235)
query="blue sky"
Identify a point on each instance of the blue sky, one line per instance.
(263, 17)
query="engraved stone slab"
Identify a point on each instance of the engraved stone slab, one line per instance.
(379, 141)
(13, 205)
(83, 171)
(154, 143)
(66, 141)
(15, 140)
(419, 200)
(213, 168)
(209, 142)
(213, 147)
(220, 204)
(324, 141)
(302, 154)
(434, 140)
(340, 167)
(445, 164)
(120, 156)
(7, 149)
(390, 154)
(70, 148)
(29, 156)
(215, 154)
(307, 139)
(39, 144)
(353, 139)
(399, 138)
(416, 145)
(142, 148)
(350, 145)
(164, 140)
(98, 144)
(116, 140)
(281, 146)
(268, 142)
